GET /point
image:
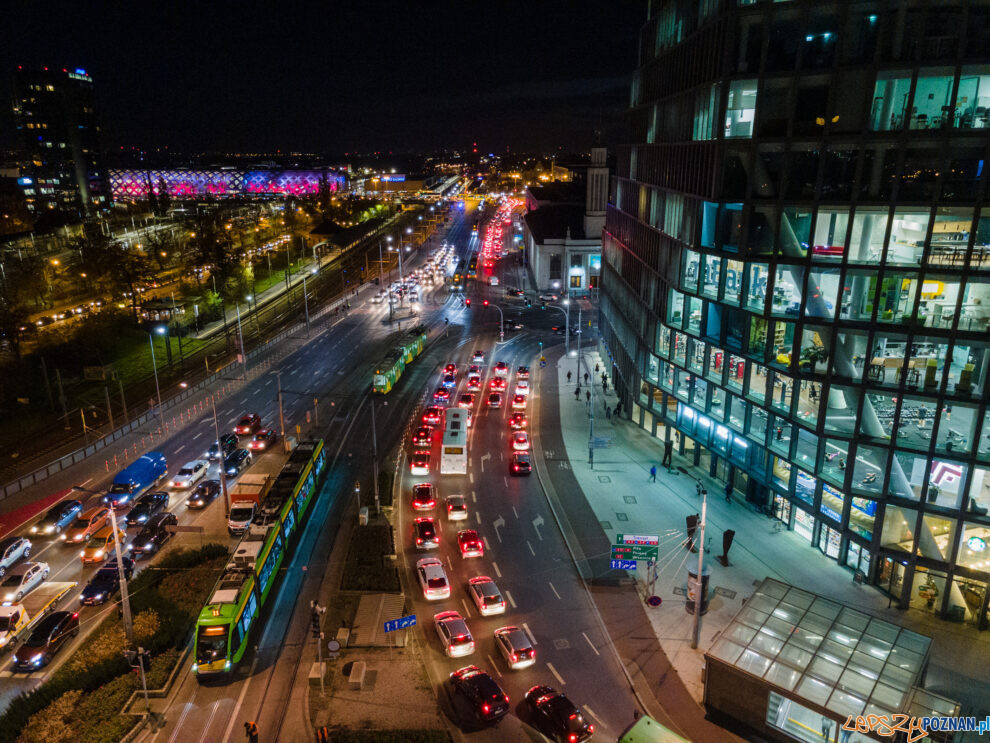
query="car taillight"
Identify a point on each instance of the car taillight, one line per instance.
(572, 736)
(591, 728)
(515, 657)
(515, 468)
(485, 709)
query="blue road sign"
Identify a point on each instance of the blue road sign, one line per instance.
(401, 623)
(623, 564)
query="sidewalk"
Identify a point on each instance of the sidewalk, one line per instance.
(624, 500)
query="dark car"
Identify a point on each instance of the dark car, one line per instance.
(47, 639)
(146, 506)
(154, 534)
(520, 464)
(237, 461)
(58, 517)
(426, 533)
(204, 494)
(228, 443)
(488, 702)
(105, 583)
(249, 424)
(556, 715)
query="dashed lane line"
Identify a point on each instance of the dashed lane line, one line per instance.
(529, 633)
(512, 601)
(554, 672)
(553, 589)
(495, 568)
(591, 644)
(532, 551)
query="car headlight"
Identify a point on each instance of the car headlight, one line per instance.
(83, 553)
(195, 667)
(63, 537)
(99, 553)
(37, 659)
(98, 597)
(149, 545)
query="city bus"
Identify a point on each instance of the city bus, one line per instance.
(453, 451)
(234, 610)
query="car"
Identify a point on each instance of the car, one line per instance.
(519, 464)
(515, 646)
(449, 381)
(432, 579)
(470, 543)
(426, 533)
(189, 474)
(497, 383)
(454, 634)
(488, 702)
(263, 439)
(21, 580)
(495, 400)
(423, 437)
(466, 400)
(522, 387)
(456, 508)
(103, 545)
(433, 415)
(520, 441)
(204, 494)
(486, 596)
(474, 383)
(105, 584)
(419, 464)
(511, 292)
(12, 550)
(501, 369)
(548, 297)
(518, 402)
(155, 533)
(441, 394)
(424, 497)
(248, 424)
(48, 637)
(474, 369)
(450, 369)
(86, 525)
(478, 357)
(522, 372)
(236, 462)
(58, 518)
(147, 506)
(517, 421)
(555, 714)
(220, 449)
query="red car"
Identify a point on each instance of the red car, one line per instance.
(497, 383)
(433, 415)
(247, 425)
(442, 394)
(518, 421)
(424, 497)
(423, 437)
(263, 439)
(450, 369)
(470, 543)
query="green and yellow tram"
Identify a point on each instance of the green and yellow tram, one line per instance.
(253, 574)
(388, 371)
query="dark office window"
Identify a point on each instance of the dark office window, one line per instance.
(785, 38)
(838, 172)
(977, 33)
(773, 108)
(803, 172)
(769, 173)
(921, 167)
(819, 42)
(961, 181)
(555, 262)
(809, 113)
(734, 177)
(850, 98)
(750, 45)
(859, 40)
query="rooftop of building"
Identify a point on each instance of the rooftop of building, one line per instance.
(559, 192)
(552, 222)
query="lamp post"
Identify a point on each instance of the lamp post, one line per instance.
(154, 365)
(240, 337)
(223, 468)
(699, 586)
(281, 412)
(306, 300)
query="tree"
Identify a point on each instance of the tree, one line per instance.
(164, 199)
(212, 247)
(152, 199)
(324, 196)
(116, 265)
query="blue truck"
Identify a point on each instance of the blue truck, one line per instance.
(140, 476)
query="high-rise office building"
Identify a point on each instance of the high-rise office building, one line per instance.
(796, 274)
(56, 116)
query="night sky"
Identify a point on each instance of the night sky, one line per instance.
(338, 76)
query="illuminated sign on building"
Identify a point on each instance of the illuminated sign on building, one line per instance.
(393, 178)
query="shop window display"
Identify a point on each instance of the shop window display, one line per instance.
(868, 469)
(967, 600)
(936, 537)
(974, 546)
(756, 286)
(804, 523)
(832, 503)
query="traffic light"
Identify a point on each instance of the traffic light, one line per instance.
(543, 305)
(467, 302)
(529, 302)
(485, 302)
(315, 621)
(145, 660)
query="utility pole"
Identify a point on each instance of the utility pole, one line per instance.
(306, 302)
(106, 395)
(374, 458)
(223, 473)
(240, 337)
(281, 413)
(61, 398)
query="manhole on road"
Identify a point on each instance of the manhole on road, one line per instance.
(629, 498)
(606, 524)
(727, 592)
(678, 591)
(604, 478)
(561, 643)
(621, 517)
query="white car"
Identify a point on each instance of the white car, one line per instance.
(456, 508)
(13, 549)
(478, 357)
(21, 580)
(454, 634)
(522, 387)
(432, 579)
(189, 474)
(501, 369)
(516, 647)
(486, 596)
(520, 441)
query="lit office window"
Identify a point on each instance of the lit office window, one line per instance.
(740, 108)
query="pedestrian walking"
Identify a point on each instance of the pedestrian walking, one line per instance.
(577, 393)
(587, 396)
(568, 377)
(728, 492)
(586, 377)
(604, 386)
(668, 453)
(251, 732)
(596, 368)
(608, 413)
(653, 473)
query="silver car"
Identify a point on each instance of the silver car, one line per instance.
(21, 580)
(515, 647)
(13, 549)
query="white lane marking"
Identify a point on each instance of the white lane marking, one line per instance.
(515, 512)
(467, 611)
(591, 712)
(492, 661)
(178, 725)
(537, 523)
(487, 546)
(179, 448)
(87, 480)
(532, 551)
(477, 515)
(512, 601)
(209, 722)
(450, 563)
(502, 455)
(495, 568)
(553, 589)
(474, 498)
(197, 435)
(506, 480)
(590, 643)
(257, 391)
(554, 672)
(529, 632)
(498, 524)
(483, 458)
(471, 477)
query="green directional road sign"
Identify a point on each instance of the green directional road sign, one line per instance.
(635, 547)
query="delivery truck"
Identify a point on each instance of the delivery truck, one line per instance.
(141, 475)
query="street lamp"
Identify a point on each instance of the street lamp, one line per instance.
(305, 299)
(240, 337)
(154, 365)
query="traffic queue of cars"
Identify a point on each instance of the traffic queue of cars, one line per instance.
(549, 710)
(134, 501)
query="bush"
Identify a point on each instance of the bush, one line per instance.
(389, 736)
(385, 488)
(366, 568)
(52, 724)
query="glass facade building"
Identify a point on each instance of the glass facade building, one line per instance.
(796, 274)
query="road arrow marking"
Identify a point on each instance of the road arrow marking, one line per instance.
(537, 523)
(498, 524)
(483, 458)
